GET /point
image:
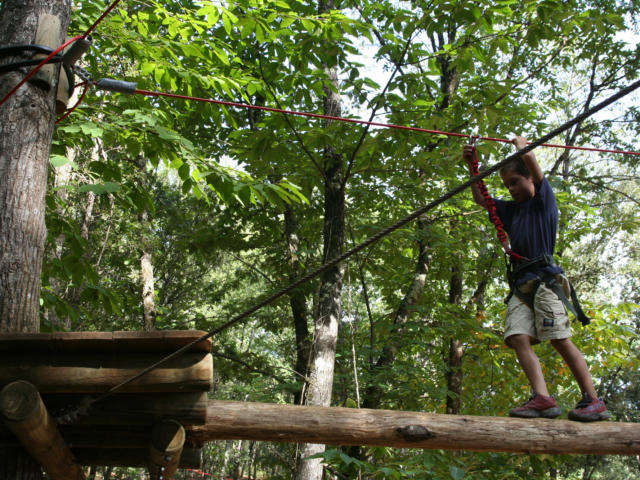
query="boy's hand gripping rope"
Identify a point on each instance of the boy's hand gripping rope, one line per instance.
(490, 204)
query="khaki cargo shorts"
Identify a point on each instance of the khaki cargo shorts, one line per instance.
(548, 320)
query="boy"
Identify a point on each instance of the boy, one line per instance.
(531, 221)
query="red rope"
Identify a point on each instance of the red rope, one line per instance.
(364, 122)
(491, 207)
(38, 67)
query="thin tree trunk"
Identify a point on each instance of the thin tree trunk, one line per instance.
(149, 311)
(225, 462)
(329, 303)
(148, 297)
(297, 300)
(26, 128)
(454, 367)
(62, 177)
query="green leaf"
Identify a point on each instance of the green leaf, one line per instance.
(456, 473)
(100, 188)
(59, 160)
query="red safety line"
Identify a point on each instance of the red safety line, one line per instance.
(99, 20)
(38, 67)
(364, 122)
(199, 472)
(491, 207)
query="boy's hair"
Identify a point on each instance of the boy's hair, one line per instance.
(517, 166)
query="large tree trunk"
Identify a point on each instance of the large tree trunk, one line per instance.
(26, 127)
(329, 303)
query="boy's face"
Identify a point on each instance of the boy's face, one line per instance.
(520, 187)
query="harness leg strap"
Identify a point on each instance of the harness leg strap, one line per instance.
(574, 305)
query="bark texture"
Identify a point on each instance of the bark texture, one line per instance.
(149, 311)
(454, 367)
(351, 426)
(297, 300)
(26, 127)
(329, 303)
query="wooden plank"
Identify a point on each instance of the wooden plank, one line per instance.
(347, 426)
(102, 436)
(131, 457)
(26, 416)
(163, 341)
(99, 436)
(81, 373)
(131, 409)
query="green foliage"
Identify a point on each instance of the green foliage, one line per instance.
(216, 182)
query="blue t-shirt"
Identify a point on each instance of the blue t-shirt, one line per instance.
(532, 226)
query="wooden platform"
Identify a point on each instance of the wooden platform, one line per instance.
(66, 367)
(163, 341)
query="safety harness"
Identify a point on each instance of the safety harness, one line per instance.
(537, 266)
(517, 265)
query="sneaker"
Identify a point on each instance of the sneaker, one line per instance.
(589, 410)
(537, 406)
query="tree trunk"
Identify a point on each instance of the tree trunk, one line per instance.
(148, 297)
(297, 300)
(149, 311)
(330, 303)
(26, 127)
(454, 367)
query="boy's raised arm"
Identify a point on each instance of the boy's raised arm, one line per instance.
(530, 161)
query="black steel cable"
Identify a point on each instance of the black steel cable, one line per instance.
(12, 50)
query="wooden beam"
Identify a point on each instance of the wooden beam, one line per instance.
(131, 457)
(165, 449)
(131, 409)
(82, 373)
(96, 437)
(348, 426)
(164, 341)
(137, 413)
(24, 413)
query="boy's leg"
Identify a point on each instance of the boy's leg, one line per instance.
(576, 362)
(540, 404)
(520, 334)
(529, 362)
(590, 408)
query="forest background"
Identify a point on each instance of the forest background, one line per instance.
(170, 214)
